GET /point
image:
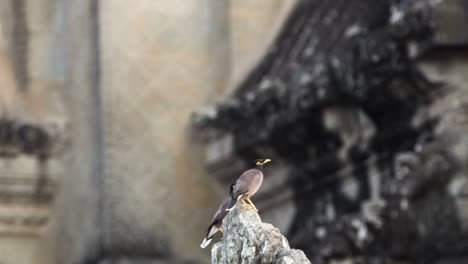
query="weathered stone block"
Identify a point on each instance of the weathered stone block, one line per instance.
(248, 240)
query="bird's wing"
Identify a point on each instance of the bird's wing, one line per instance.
(244, 181)
(221, 212)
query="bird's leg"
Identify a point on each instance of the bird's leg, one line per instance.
(242, 199)
(250, 202)
(222, 232)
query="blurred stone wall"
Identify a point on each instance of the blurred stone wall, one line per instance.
(29, 101)
(126, 77)
(253, 26)
(160, 61)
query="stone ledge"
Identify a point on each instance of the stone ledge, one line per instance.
(248, 240)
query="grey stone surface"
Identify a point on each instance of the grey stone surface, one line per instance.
(248, 240)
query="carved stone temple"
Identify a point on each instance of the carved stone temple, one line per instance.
(122, 124)
(363, 106)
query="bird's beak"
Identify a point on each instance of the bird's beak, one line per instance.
(266, 161)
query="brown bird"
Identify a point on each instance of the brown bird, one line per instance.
(248, 184)
(216, 223)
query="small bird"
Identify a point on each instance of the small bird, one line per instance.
(216, 223)
(248, 184)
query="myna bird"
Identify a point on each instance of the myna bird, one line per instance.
(216, 223)
(248, 184)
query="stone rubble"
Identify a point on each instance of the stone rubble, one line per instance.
(248, 240)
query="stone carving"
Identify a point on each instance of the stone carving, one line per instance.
(377, 168)
(30, 142)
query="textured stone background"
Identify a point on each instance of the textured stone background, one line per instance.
(129, 75)
(295, 87)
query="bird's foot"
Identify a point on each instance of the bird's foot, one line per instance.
(251, 204)
(254, 208)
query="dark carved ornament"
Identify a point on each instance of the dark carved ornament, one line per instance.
(340, 101)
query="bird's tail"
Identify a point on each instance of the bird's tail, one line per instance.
(206, 242)
(209, 236)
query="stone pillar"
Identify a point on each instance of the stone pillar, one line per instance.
(78, 215)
